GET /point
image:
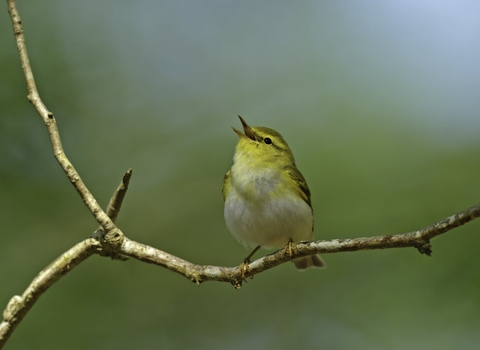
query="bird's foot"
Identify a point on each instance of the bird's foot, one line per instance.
(289, 249)
(244, 272)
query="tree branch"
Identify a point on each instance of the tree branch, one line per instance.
(18, 306)
(117, 199)
(419, 239)
(108, 240)
(51, 124)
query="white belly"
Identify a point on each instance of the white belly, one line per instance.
(270, 223)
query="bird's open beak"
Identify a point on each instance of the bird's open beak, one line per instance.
(247, 129)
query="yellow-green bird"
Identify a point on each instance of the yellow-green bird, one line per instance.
(267, 200)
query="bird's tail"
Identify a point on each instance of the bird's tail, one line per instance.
(309, 261)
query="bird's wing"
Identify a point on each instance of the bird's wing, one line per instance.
(301, 185)
(226, 181)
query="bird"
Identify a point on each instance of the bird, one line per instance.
(267, 200)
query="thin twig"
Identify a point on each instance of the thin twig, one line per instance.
(51, 124)
(113, 210)
(18, 306)
(116, 200)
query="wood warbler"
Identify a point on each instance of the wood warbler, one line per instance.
(267, 200)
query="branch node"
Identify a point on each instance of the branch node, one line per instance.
(424, 247)
(114, 237)
(195, 278)
(108, 246)
(237, 284)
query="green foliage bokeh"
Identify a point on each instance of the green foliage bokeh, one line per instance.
(379, 103)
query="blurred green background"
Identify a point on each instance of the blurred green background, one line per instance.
(378, 100)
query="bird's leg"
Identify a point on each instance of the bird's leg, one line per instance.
(246, 261)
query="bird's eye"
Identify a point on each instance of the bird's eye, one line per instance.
(267, 140)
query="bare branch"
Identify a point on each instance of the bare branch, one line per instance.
(117, 199)
(51, 124)
(18, 306)
(419, 239)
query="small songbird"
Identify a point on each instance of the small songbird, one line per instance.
(267, 200)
